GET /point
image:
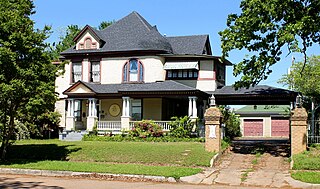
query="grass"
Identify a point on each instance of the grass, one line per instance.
(244, 175)
(167, 171)
(307, 165)
(161, 158)
(310, 177)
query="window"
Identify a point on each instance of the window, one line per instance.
(77, 110)
(182, 74)
(133, 71)
(76, 71)
(88, 43)
(136, 110)
(95, 72)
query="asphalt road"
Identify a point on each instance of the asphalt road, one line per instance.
(37, 182)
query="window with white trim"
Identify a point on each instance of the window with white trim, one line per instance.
(76, 71)
(95, 71)
(182, 74)
(133, 71)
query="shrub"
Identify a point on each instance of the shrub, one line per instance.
(181, 127)
(146, 128)
(232, 123)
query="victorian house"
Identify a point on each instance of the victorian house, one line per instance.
(129, 72)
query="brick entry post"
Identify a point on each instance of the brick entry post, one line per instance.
(212, 118)
(298, 130)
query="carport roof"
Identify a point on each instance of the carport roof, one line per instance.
(257, 95)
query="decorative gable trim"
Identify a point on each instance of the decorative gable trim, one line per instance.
(87, 27)
(79, 88)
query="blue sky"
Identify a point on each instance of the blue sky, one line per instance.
(172, 17)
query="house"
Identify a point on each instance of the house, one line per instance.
(264, 120)
(129, 72)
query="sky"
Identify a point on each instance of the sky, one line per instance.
(172, 17)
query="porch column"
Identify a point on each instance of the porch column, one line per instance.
(92, 114)
(70, 115)
(190, 107)
(194, 107)
(125, 118)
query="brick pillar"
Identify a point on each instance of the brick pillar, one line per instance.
(298, 130)
(212, 118)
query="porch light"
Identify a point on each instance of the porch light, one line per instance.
(299, 101)
(212, 101)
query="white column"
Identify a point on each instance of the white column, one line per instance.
(190, 107)
(128, 107)
(70, 115)
(95, 108)
(126, 104)
(194, 107)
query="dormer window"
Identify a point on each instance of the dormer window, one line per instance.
(133, 71)
(88, 43)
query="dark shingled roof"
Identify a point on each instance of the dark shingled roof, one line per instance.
(193, 44)
(134, 33)
(162, 86)
(256, 90)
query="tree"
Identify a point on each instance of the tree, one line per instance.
(265, 28)
(231, 122)
(308, 84)
(105, 24)
(26, 73)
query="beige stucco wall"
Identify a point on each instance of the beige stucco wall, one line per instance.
(60, 107)
(112, 68)
(105, 105)
(152, 108)
(266, 125)
(63, 82)
(86, 35)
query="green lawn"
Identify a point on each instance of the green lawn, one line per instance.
(161, 158)
(308, 165)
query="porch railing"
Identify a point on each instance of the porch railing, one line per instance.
(313, 132)
(109, 125)
(163, 124)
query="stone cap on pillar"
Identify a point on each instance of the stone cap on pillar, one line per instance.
(299, 114)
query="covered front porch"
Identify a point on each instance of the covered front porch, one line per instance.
(87, 109)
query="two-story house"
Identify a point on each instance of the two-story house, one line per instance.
(129, 72)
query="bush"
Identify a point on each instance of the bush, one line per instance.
(146, 128)
(181, 127)
(232, 123)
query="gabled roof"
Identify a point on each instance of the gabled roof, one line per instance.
(193, 44)
(264, 110)
(95, 32)
(134, 33)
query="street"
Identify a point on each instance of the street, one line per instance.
(38, 182)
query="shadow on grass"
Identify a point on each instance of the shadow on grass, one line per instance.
(14, 183)
(28, 153)
(271, 146)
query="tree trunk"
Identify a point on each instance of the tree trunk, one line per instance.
(6, 137)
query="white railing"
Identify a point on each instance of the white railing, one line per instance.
(109, 125)
(163, 124)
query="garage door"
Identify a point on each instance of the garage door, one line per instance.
(279, 127)
(253, 127)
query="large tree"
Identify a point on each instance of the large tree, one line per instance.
(26, 73)
(265, 29)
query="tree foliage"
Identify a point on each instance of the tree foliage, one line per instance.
(309, 82)
(265, 28)
(231, 122)
(26, 73)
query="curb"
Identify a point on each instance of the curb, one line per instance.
(107, 176)
(216, 157)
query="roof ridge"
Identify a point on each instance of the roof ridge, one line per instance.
(188, 35)
(144, 21)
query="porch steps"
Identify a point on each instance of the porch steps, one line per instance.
(74, 136)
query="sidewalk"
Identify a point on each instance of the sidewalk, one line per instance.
(236, 169)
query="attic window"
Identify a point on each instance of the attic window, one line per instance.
(88, 43)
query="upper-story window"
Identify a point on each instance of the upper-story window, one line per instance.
(88, 43)
(133, 71)
(182, 74)
(95, 71)
(76, 71)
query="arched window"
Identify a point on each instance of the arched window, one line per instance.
(88, 43)
(133, 71)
